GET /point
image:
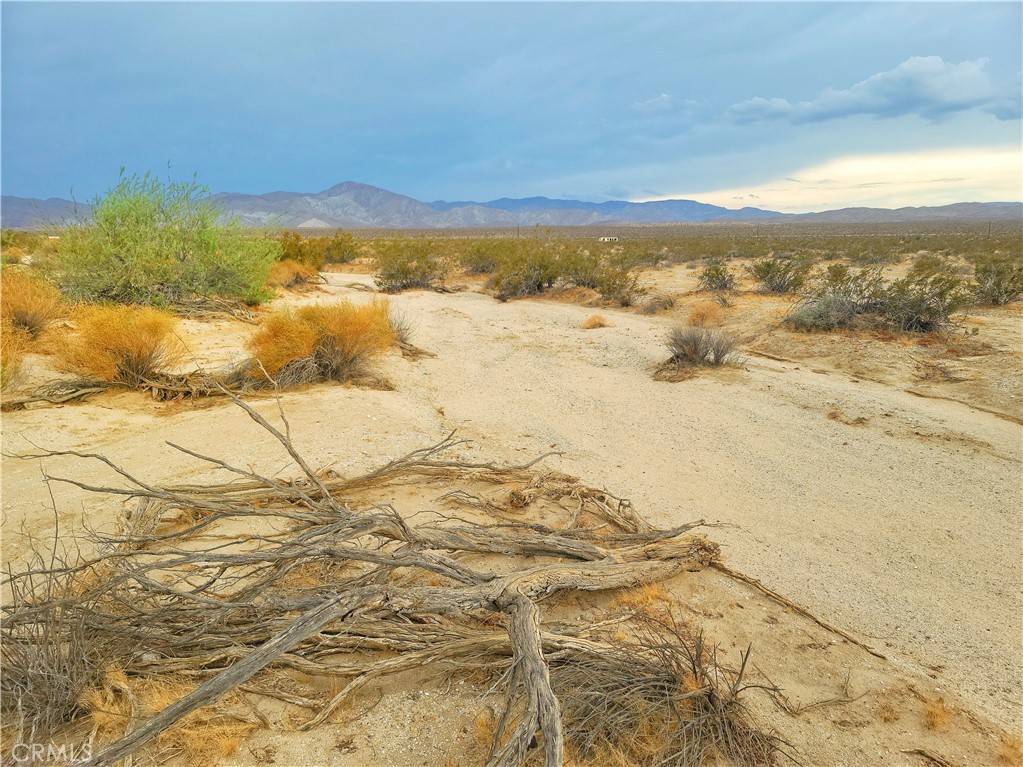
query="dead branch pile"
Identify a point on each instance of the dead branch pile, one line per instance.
(219, 584)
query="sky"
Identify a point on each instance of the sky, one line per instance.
(792, 106)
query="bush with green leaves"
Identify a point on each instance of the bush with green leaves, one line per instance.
(922, 304)
(484, 256)
(779, 274)
(997, 281)
(717, 276)
(407, 263)
(531, 270)
(153, 242)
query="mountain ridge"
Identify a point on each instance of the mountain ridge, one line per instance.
(354, 205)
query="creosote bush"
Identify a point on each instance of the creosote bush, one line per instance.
(150, 242)
(691, 346)
(128, 345)
(717, 276)
(997, 281)
(314, 252)
(779, 274)
(407, 263)
(321, 343)
(28, 302)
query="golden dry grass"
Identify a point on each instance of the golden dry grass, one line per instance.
(937, 715)
(594, 321)
(706, 314)
(13, 343)
(289, 274)
(338, 338)
(204, 737)
(1010, 750)
(28, 302)
(121, 344)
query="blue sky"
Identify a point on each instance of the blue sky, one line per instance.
(790, 106)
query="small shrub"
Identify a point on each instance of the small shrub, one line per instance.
(593, 322)
(779, 274)
(838, 297)
(826, 312)
(484, 256)
(340, 248)
(122, 344)
(290, 274)
(28, 302)
(616, 283)
(402, 328)
(998, 281)
(699, 346)
(922, 304)
(717, 276)
(405, 264)
(14, 343)
(657, 303)
(153, 243)
(930, 264)
(316, 343)
(705, 314)
(530, 271)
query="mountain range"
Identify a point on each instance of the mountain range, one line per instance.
(351, 205)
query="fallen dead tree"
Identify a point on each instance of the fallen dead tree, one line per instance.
(223, 583)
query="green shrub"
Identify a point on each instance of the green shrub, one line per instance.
(407, 263)
(717, 276)
(779, 274)
(149, 242)
(997, 281)
(823, 313)
(531, 270)
(484, 256)
(615, 282)
(922, 304)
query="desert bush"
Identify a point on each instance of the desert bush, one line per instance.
(717, 276)
(340, 248)
(997, 281)
(314, 252)
(484, 256)
(779, 274)
(407, 263)
(289, 274)
(922, 304)
(149, 242)
(333, 343)
(930, 264)
(823, 313)
(615, 282)
(706, 313)
(28, 302)
(531, 270)
(594, 321)
(402, 327)
(656, 303)
(699, 346)
(121, 344)
(14, 342)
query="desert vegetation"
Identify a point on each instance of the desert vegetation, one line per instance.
(28, 302)
(159, 243)
(691, 345)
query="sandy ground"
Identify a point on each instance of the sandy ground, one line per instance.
(887, 505)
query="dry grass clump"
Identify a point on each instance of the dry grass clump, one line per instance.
(691, 346)
(13, 344)
(937, 715)
(322, 343)
(594, 321)
(290, 274)
(657, 303)
(128, 345)
(658, 699)
(28, 302)
(706, 314)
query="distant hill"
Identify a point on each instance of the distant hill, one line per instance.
(351, 205)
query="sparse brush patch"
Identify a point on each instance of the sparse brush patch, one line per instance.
(658, 699)
(407, 263)
(717, 276)
(28, 302)
(997, 281)
(321, 343)
(290, 274)
(149, 242)
(127, 345)
(706, 314)
(484, 256)
(693, 346)
(922, 304)
(779, 274)
(530, 270)
(930, 264)
(594, 321)
(14, 342)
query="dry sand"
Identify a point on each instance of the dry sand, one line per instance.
(893, 515)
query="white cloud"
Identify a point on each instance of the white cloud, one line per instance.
(660, 103)
(936, 177)
(924, 85)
